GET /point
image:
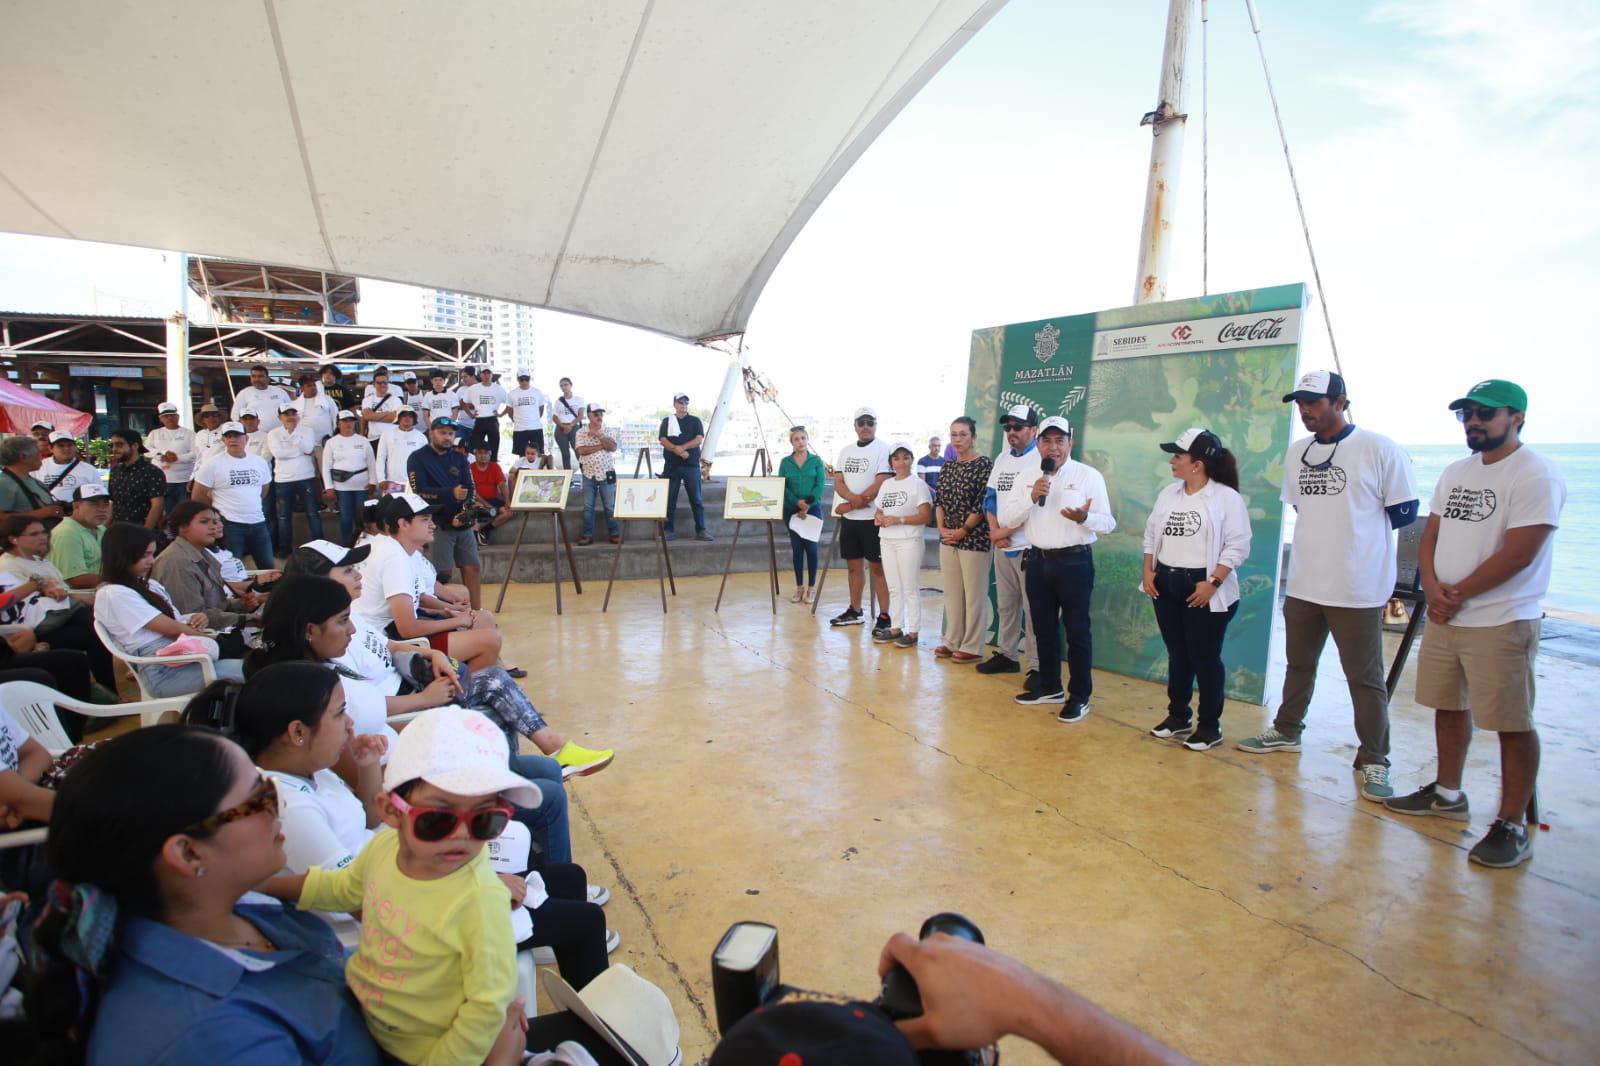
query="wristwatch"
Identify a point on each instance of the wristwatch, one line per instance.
(1216, 582)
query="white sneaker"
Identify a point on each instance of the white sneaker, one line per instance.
(599, 895)
(612, 940)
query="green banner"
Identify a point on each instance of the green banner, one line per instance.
(1129, 379)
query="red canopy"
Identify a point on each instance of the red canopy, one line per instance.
(20, 408)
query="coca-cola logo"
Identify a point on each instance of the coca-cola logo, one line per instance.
(1263, 329)
(1182, 333)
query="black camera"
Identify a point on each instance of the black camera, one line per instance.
(744, 977)
(475, 512)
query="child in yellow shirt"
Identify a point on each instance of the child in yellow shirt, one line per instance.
(436, 968)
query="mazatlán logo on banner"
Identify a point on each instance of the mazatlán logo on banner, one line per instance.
(1046, 366)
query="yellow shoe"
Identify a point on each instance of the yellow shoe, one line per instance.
(578, 761)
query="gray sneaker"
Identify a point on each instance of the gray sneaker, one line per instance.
(1504, 846)
(1375, 782)
(1425, 801)
(1268, 742)
(703, 535)
(906, 640)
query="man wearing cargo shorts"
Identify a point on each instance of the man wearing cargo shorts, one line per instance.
(1485, 564)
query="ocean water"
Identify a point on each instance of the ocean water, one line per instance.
(1572, 584)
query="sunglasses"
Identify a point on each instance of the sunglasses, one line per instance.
(1468, 412)
(431, 824)
(264, 798)
(866, 421)
(1011, 427)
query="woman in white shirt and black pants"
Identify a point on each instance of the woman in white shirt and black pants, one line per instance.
(1197, 537)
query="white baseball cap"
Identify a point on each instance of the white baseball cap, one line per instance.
(167, 409)
(90, 490)
(626, 1011)
(405, 409)
(1196, 442)
(1023, 413)
(337, 554)
(409, 375)
(40, 425)
(524, 373)
(415, 505)
(863, 412)
(459, 751)
(902, 444)
(288, 408)
(1055, 422)
(1315, 384)
(351, 415)
(231, 427)
(60, 435)
(680, 397)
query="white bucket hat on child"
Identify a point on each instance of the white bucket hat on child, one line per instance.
(459, 751)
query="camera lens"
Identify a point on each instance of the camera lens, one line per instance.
(951, 924)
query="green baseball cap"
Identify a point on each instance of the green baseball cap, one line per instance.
(1494, 392)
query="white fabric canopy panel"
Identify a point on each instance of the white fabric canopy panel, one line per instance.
(641, 161)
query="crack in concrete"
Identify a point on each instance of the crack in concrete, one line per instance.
(626, 885)
(1152, 860)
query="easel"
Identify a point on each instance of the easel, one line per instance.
(558, 531)
(833, 553)
(643, 462)
(764, 464)
(663, 560)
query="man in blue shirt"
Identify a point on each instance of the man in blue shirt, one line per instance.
(928, 466)
(442, 476)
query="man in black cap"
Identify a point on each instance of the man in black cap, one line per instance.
(1351, 489)
(680, 436)
(138, 489)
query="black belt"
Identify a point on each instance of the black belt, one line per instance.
(1193, 573)
(1056, 553)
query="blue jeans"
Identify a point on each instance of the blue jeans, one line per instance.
(607, 491)
(688, 476)
(176, 494)
(286, 492)
(349, 513)
(548, 821)
(805, 556)
(252, 537)
(165, 682)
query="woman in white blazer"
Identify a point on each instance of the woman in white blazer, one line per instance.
(1196, 539)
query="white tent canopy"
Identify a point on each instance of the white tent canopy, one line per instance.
(641, 161)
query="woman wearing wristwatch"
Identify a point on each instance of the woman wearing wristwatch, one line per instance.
(1197, 537)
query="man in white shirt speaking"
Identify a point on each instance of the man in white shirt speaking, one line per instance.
(1351, 489)
(1485, 562)
(1063, 515)
(172, 447)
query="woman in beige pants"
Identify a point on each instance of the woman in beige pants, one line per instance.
(964, 557)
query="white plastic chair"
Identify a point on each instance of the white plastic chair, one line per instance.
(208, 669)
(34, 706)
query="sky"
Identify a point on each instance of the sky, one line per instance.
(1444, 150)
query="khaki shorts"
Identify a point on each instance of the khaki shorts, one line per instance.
(1494, 664)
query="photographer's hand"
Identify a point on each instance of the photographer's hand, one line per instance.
(973, 995)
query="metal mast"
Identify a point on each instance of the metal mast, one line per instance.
(1166, 124)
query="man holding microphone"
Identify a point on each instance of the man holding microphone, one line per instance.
(1062, 517)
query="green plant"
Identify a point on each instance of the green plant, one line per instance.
(98, 449)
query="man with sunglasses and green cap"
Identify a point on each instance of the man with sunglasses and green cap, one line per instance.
(1485, 563)
(1351, 489)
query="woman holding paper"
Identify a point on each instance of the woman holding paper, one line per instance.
(804, 480)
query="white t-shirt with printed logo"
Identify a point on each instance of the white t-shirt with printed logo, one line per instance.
(1344, 546)
(1183, 538)
(861, 464)
(388, 571)
(51, 476)
(485, 399)
(431, 405)
(900, 498)
(1476, 503)
(1014, 475)
(12, 737)
(527, 406)
(324, 824)
(235, 485)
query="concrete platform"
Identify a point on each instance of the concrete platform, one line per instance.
(1243, 908)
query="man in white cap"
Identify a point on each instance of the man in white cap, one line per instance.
(396, 448)
(40, 432)
(64, 469)
(235, 483)
(528, 404)
(681, 436)
(410, 386)
(1012, 477)
(294, 476)
(173, 447)
(487, 400)
(1351, 489)
(262, 397)
(862, 469)
(318, 413)
(75, 542)
(1064, 513)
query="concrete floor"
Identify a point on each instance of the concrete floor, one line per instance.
(1242, 908)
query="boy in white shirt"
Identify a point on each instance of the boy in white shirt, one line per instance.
(1485, 561)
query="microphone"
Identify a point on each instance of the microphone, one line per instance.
(1047, 466)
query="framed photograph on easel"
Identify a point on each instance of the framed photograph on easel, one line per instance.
(541, 490)
(641, 498)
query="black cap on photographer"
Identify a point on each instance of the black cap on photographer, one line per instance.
(838, 1034)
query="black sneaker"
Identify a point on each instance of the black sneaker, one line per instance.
(851, 617)
(1202, 739)
(1031, 699)
(1505, 846)
(883, 629)
(1031, 682)
(1173, 726)
(1074, 711)
(998, 664)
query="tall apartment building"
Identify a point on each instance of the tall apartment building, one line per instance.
(509, 325)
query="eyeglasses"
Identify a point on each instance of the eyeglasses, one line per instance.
(432, 824)
(1468, 412)
(264, 798)
(1326, 463)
